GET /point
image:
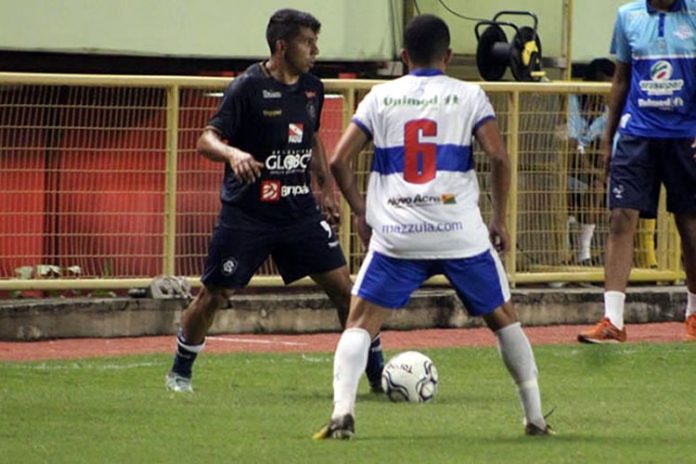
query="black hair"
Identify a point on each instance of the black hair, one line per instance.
(599, 68)
(426, 39)
(285, 24)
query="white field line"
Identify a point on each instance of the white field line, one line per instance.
(259, 342)
(76, 366)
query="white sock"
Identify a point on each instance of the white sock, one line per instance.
(350, 361)
(614, 308)
(690, 303)
(518, 357)
(585, 240)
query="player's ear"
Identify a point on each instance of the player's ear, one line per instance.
(448, 56)
(280, 46)
(405, 57)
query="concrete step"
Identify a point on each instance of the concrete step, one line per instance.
(287, 311)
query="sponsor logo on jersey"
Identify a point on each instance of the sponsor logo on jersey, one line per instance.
(287, 162)
(295, 132)
(422, 227)
(272, 113)
(270, 190)
(683, 32)
(294, 190)
(310, 94)
(418, 201)
(312, 111)
(229, 266)
(448, 199)
(274, 190)
(271, 94)
(660, 82)
(666, 103)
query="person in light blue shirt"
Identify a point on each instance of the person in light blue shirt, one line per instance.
(652, 106)
(587, 119)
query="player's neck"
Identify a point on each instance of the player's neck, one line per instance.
(662, 5)
(280, 71)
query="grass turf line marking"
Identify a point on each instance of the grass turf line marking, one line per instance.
(261, 342)
(78, 366)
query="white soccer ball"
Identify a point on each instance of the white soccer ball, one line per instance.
(410, 376)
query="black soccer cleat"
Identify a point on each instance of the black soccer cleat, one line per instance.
(341, 428)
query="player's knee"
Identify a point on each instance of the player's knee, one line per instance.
(213, 298)
(622, 221)
(502, 316)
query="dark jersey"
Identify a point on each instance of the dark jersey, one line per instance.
(275, 123)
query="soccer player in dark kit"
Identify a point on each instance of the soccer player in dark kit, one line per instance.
(265, 131)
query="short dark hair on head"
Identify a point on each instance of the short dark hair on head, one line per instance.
(427, 39)
(599, 68)
(285, 24)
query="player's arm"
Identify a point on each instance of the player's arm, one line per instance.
(492, 144)
(352, 141)
(320, 173)
(620, 86)
(244, 166)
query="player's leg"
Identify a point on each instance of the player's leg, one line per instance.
(337, 285)
(311, 248)
(481, 283)
(233, 257)
(686, 223)
(383, 284)
(190, 340)
(679, 176)
(634, 187)
(364, 322)
(518, 357)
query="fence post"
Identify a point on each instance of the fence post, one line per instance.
(172, 148)
(513, 151)
(346, 219)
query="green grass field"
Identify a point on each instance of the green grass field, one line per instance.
(628, 403)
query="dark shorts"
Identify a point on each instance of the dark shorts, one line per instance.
(236, 253)
(638, 167)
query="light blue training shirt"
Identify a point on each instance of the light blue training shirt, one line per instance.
(661, 48)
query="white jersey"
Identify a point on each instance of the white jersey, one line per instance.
(422, 197)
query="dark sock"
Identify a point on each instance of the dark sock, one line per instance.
(184, 357)
(375, 361)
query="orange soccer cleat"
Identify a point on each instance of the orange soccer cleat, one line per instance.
(690, 323)
(603, 332)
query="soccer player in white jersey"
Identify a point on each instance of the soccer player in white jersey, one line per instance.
(422, 217)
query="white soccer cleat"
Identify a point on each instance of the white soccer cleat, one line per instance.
(177, 383)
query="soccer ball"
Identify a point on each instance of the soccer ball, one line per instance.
(410, 376)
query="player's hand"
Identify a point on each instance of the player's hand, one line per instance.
(244, 166)
(364, 230)
(693, 145)
(499, 237)
(330, 208)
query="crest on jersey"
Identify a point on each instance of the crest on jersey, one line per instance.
(661, 71)
(270, 190)
(295, 132)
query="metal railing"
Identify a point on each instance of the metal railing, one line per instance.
(99, 174)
